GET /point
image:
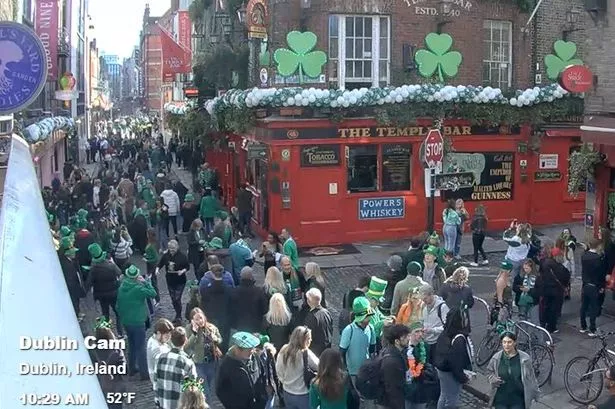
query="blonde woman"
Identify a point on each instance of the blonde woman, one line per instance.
(412, 310)
(315, 279)
(278, 321)
(274, 283)
(464, 216)
(192, 396)
(456, 292)
(517, 236)
(290, 366)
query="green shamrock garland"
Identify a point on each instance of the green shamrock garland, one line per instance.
(438, 57)
(300, 56)
(564, 57)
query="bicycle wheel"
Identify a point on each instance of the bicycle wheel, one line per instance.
(487, 347)
(583, 380)
(542, 362)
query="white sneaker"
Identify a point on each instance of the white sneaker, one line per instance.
(473, 264)
(592, 334)
(485, 262)
(583, 331)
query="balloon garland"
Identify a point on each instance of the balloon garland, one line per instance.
(375, 96)
(416, 366)
(42, 130)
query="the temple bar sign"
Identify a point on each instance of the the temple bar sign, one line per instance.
(434, 7)
(381, 132)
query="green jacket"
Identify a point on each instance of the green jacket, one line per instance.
(148, 196)
(290, 249)
(209, 206)
(131, 297)
(151, 254)
(195, 345)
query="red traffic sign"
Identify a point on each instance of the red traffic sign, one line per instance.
(434, 148)
(576, 79)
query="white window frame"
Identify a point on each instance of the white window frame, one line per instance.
(489, 58)
(375, 57)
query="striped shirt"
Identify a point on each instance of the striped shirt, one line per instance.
(121, 250)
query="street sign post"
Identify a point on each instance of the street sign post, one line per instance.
(434, 154)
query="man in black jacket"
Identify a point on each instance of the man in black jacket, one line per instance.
(319, 320)
(72, 276)
(240, 383)
(394, 367)
(593, 267)
(248, 303)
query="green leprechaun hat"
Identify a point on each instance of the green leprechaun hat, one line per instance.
(377, 287)
(67, 247)
(215, 243)
(432, 250)
(361, 309)
(97, 253)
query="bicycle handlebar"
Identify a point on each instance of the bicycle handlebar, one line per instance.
(539, 328)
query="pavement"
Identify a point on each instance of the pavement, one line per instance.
(342, 273)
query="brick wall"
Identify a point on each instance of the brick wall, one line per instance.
(6, 10)
(408, 27)
(550, 24)
(599, 57)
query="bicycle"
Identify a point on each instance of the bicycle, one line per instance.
(590, 370)
(540, 354)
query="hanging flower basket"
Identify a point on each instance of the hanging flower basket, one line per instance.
(582, 164)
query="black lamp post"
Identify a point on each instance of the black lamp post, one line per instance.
(572, 20)
(444, 10)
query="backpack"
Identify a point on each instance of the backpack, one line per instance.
(369, 379)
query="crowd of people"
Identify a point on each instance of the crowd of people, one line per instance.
(403, 336)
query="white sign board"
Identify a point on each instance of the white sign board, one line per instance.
(548, 161)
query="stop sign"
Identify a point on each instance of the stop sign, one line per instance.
(434, 148)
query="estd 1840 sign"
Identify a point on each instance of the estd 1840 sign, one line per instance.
(434, 148)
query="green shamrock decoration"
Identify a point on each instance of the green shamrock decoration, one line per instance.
(564, 53)
(437, 57)
(300, 56)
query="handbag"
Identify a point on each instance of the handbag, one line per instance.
(308, 373)
(525, 300)
(566, 290)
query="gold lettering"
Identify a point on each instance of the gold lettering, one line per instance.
(391, 132)
(467, 130)
(447, 130)
(365, 132)
(492, 196)
(343, 132)
(354, 132)
(380, 132)
(415, 130)
(402, 131)
(456, 131)
(422, 131)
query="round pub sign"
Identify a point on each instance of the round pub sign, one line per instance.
(576, 79)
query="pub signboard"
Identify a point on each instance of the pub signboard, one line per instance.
(547, 176)
(454, 181)
(320, 155)
(493, 173)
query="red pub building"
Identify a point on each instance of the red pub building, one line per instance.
(359, 178)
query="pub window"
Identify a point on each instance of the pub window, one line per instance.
(396, 167)
(362, 168)
(497, 54)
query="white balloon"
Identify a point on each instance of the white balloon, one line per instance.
(333, 104)
(345, 104)
(312, 98)
(290, 101)
(513, 101)
(340, 100)
(399, 98)
(352, 100)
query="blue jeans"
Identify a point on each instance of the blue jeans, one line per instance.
(450, 236)
(509, 406)
(296, 401)
(163, 238)
(449, 391)
(412, 405)
(208, 223)
(136, 349)
(207, 372)
(516, 268)
(458, 243)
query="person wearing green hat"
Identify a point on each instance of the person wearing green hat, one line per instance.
(83, 238)
(358, 339)
(223, 228)
(133, 292)
(72, 275)
(207, 210)
(433, 273)
(375, 295)
(148, 194)
(189, 212)
(241, 376)
(103, 279)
